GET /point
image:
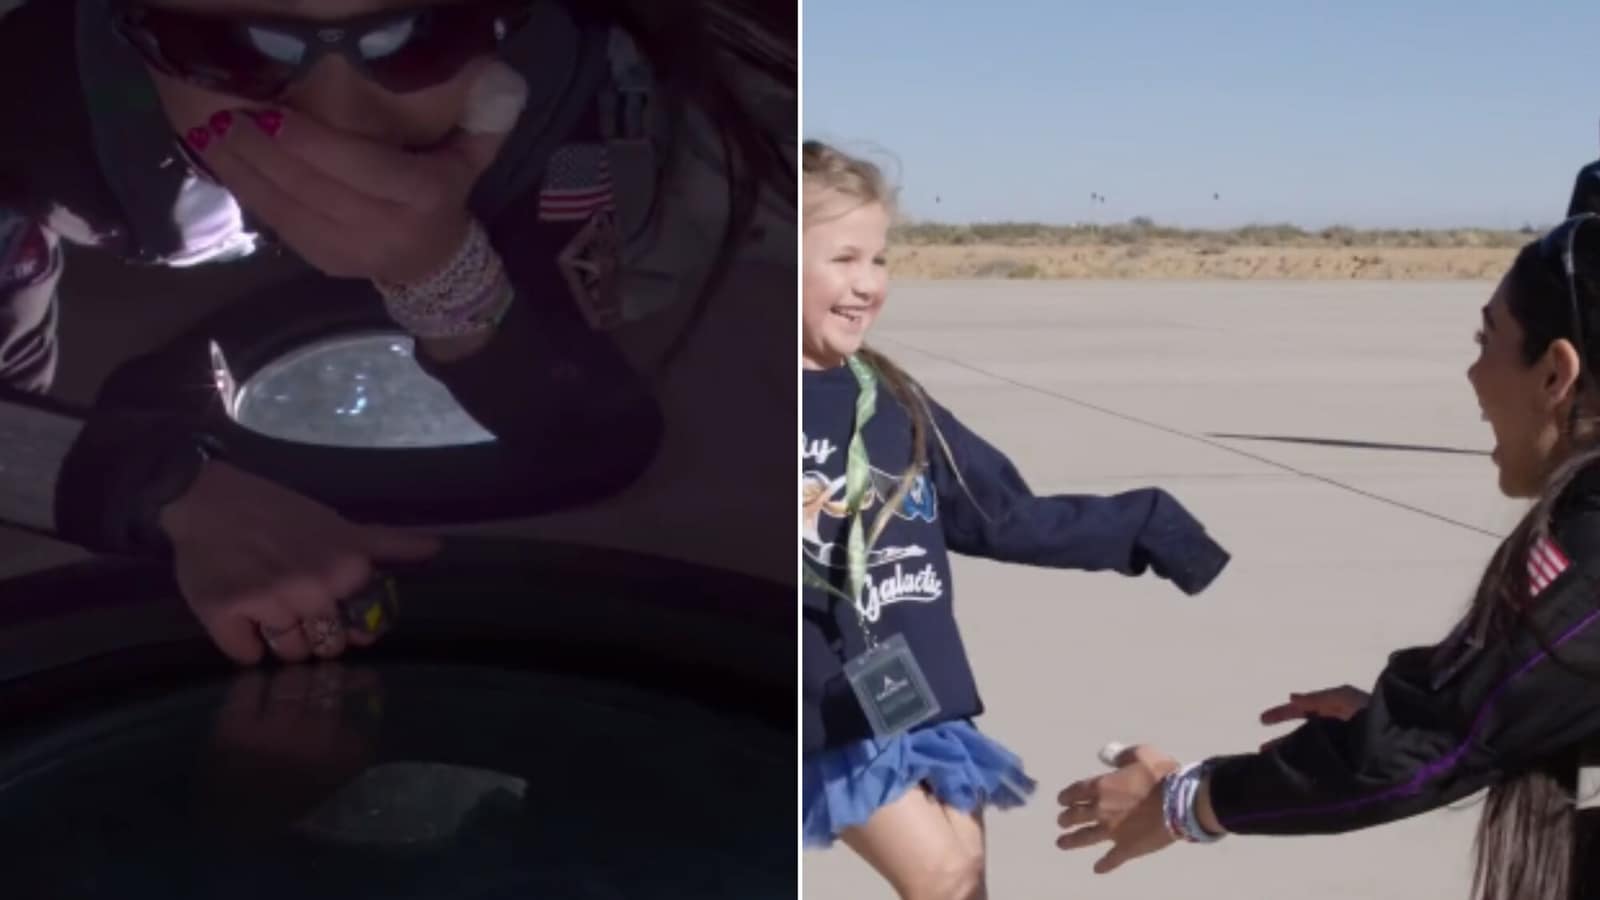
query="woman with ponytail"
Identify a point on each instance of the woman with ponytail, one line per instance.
(1509, 701)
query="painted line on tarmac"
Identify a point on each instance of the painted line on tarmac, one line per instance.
(1200, 439)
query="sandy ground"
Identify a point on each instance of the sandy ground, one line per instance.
(1199, 262)
(1341, 553)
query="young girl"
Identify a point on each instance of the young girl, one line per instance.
(890, 480)
(1507, 702)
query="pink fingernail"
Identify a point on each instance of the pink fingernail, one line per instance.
(221, 122)
(270, 121)
(198, 138)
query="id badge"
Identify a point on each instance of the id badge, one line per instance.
(1588, 781)
(1588, 796)
(891, 688)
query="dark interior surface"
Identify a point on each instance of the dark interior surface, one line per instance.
(543, 721)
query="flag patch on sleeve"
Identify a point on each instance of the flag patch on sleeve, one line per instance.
(1546, 562)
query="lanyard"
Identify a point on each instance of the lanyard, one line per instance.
(857, 478)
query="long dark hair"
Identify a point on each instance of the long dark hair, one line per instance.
(1526, 839)
(691, 44)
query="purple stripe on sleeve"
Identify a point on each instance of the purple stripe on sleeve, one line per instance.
(1431, 771)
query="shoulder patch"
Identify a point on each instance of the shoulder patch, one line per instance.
(1546, 562)
(589, 263)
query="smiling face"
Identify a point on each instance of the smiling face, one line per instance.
(845, 278)
(332, 91)
(1527, 404)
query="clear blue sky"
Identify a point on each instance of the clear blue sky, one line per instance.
(1412, 113)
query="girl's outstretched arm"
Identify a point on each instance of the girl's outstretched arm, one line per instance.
(988, 510)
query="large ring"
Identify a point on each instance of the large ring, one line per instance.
(374, 609)
(321, 631)
(1110, 752)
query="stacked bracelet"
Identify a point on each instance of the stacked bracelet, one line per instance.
(470, 295)
(1178, 793)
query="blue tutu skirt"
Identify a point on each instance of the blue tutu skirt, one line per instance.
(843, 786)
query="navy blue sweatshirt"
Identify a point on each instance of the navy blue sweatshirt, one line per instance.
(908, 585)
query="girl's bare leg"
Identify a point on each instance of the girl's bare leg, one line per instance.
(969, 831)
(923, 849)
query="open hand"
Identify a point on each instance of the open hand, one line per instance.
(354, 207)
(1123, 807)
(1329, 703)
(260, 564)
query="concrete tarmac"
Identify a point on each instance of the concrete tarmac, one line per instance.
(1326, 434)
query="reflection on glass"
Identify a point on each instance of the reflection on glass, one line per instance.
(411, 804)
(355, 391)
(467, 783)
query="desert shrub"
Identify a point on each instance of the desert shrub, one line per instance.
(1008, 268)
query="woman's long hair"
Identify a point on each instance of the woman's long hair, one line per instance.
(694, 47)
(1525, 842)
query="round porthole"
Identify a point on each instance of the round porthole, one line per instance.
(483, 750)
(363, 390)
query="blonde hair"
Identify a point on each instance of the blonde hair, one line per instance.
(829, 174)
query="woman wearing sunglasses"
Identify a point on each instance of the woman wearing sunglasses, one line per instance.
(1509, 701)
(556, 198)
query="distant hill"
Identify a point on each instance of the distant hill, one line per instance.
(1143, 231)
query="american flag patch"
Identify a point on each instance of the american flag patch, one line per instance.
(577, 184)
(1546, 562)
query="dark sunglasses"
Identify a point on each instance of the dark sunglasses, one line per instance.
(259, 57)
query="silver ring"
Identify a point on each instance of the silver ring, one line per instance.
(321, 631)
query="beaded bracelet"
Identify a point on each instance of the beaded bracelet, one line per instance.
(469, 295)
(1178, 793)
